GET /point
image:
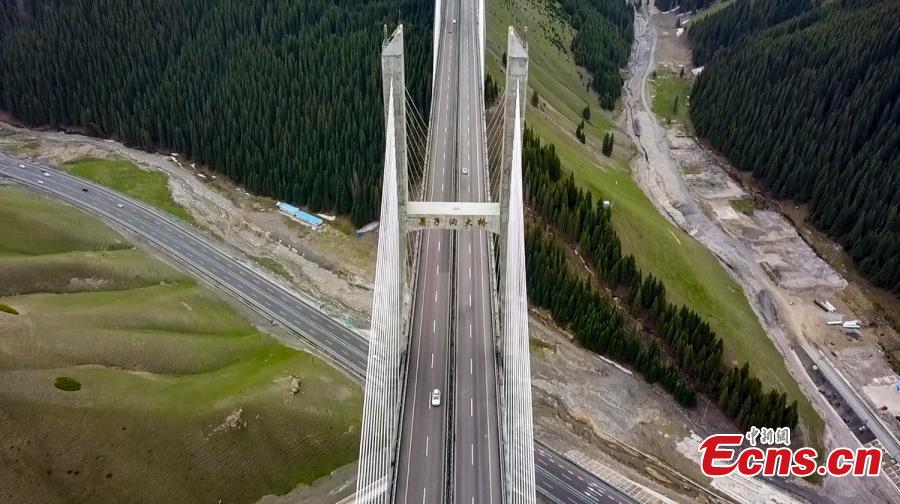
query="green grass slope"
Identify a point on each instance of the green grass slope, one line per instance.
(692, 275)
(124, 176)
(671, 97)
(162, 362)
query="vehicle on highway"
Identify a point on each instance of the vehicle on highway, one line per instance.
(450, 30)
(119, 205)
(465, 170)
(40, 182)
(84, 189)
(436, 398)
(22, 166)
(46, 174)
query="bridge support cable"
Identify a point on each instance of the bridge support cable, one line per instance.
(494, 134)
(378, 433)
(420, 136)
(517, 382)
(382, 406)
(516, 424)
(416, 156)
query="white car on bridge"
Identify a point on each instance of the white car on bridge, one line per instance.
(436, 398)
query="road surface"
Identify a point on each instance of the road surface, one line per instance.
(200, 254)
(476, 457)
(421, 476)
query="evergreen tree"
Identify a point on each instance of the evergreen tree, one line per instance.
(604, 31)
(684, 355)
(282, 97)
(796, 92)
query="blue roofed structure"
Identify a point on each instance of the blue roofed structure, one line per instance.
(296, 213)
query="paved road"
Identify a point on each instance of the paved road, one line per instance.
(476, 457)
(855, 401)
(338, 343)
(421, 467)
(561, 481)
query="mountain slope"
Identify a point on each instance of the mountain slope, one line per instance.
(811, 105)
(282, 96)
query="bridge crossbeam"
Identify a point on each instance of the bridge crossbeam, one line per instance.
(458, 216)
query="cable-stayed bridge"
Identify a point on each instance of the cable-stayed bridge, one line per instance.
(447, 412)
(481, 443)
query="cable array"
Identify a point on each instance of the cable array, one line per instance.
(494, 134)
(516, 365)
(417, 149)
(418, 136)
(383, 387)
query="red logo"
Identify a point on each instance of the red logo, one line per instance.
(721, 455)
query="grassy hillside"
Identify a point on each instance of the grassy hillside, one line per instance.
(671, 97)
(692, 275)
(124, 176)
(162, 363)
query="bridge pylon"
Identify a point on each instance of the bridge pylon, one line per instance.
(388, 339)
(516, 428)
(393, 77)
(515, 91)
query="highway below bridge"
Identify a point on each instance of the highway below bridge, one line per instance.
(558, 479)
